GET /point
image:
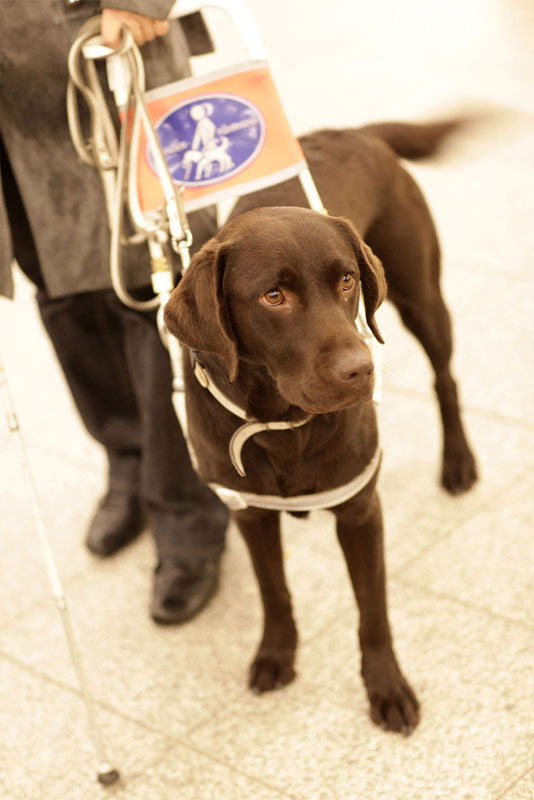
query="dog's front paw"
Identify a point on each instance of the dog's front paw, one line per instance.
(271, 669)
(459, 471)
(395, 710)
(394, 706)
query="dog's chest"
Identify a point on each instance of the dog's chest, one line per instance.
(292, 475)
(289, 462)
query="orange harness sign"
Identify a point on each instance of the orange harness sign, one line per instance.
(222, 135)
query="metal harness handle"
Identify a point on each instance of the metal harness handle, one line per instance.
(115, 161)
(117, 166)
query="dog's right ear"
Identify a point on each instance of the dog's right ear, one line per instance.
(196, 312)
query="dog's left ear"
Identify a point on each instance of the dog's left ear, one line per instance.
(372, 275)
(196, 312)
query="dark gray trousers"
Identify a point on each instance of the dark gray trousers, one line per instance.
(120, 377)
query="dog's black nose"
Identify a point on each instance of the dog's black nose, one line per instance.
(350, 365)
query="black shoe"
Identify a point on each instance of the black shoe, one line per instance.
(183, 588)
(118, 519)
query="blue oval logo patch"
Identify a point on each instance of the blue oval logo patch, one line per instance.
(210, 138)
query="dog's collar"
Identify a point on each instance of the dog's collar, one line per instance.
(251, 426)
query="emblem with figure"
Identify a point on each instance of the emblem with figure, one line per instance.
(208, 139)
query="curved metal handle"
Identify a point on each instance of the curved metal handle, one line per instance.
(240, 15)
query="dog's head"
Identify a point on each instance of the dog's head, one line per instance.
(280, 287)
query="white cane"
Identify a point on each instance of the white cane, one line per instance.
(106, 774)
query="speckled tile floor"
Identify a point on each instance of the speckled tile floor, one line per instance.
(173, 706)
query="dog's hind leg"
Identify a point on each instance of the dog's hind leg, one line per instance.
(394, 705)
(405, 240)
(273, 665)
(432, 327)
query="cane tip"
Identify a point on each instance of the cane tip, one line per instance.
(107, 775)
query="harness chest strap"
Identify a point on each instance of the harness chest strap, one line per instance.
(236, 500)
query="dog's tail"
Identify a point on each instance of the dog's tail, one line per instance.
(416, 141)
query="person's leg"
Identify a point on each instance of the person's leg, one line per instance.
(87, 332)
(87, 340)
(187, 519)
(119, 375)
(87, 344)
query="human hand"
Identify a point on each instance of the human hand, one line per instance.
(144, 29)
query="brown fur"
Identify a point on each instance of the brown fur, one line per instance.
(304, 356)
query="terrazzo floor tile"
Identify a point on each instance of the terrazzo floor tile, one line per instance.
(485, 234)
(523, 789)
(173, 678)
(360, 81)
(489, 560)
(190, 775)
(169, 678)
(66, 495)
(314, 738)
(491, 347)
(45, 749)
(417, 511)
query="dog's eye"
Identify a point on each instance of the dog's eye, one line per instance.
(348, 282)
(274, 297)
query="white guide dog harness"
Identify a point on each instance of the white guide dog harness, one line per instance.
(236, 500)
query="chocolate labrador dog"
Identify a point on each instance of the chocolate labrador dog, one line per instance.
(279, 381)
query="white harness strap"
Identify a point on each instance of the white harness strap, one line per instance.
(236, 500)
(251, 425)
(304, 502)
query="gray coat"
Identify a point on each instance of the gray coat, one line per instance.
(64, 199)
